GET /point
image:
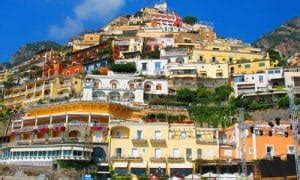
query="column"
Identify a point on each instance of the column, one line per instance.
(35, 121)
(51, 118)
(67, 119)
(254, 146)
(90, 119)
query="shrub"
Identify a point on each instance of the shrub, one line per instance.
(124, 68)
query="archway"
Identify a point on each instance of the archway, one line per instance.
(99, 155)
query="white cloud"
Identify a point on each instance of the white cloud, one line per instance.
(93, 9)
(70, 28)
(87, 10)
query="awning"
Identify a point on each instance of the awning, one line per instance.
(181, 165)
(120, 164)
(157, 165)
(138, 164)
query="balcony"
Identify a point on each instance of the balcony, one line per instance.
(55, 140)
(23, 142)
(118, 157)
(224, 142)
(134, 158)
(206, 141)
(158, 159)
(28, 128)
(139, 140)
(157, 141)
(39, 141)
(175, 159)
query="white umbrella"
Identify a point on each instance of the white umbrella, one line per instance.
(209, 174)
(193, 176)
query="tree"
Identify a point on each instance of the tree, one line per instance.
(276, 56)
(284, 102)
(222, 93)
(185, 95)
(190, 20)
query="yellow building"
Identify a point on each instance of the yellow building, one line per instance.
(75, 131)
(241, 59)
(212, 71)
(86, 41)
(160, 147)
(42, 90)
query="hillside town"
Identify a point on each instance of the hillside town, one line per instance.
(153, 95)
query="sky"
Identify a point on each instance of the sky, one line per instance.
(23, 21)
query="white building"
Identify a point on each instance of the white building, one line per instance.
(250, 83)
(113, 88)
(151, 67)
(292, 78)
(156, 86)
(175, 55)
(274, 80)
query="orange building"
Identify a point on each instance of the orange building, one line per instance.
(72, 69)
(264, 140)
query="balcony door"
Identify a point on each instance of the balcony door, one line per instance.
(157, 135)
(175, 153)
(157, 153)
(139, 134)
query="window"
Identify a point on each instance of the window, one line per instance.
(270, 72)
(144, 66)
(209, 153)
(157, 135)
(157, 65)
(213, 59)
(201, 59)
(131, 86)
(188, 153)
(291, 150)
(176, 153)
(135, 152)
(230, 60)
(158, 87)
(114, 85)
(261, 79)
(118, 152)
(118, 134)
(199, 153)
(269, 151)
(157, 153)
(183, 135)
(219, 74)
(98, 136)
(262, 64)
(139, 134)
(247, 65)
(227, 153)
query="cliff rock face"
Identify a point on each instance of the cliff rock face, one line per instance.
(27, 51)
(285, 38)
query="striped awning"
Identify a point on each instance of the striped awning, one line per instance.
(120, 164)
(138, 164)
(157, 165)
(181, 165)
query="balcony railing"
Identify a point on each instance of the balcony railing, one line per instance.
(175, 159)
(158, 159)
(139, 140)
(55, 139)
(206, 141)
(23, 142)
(39, 141)
(158, 140)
